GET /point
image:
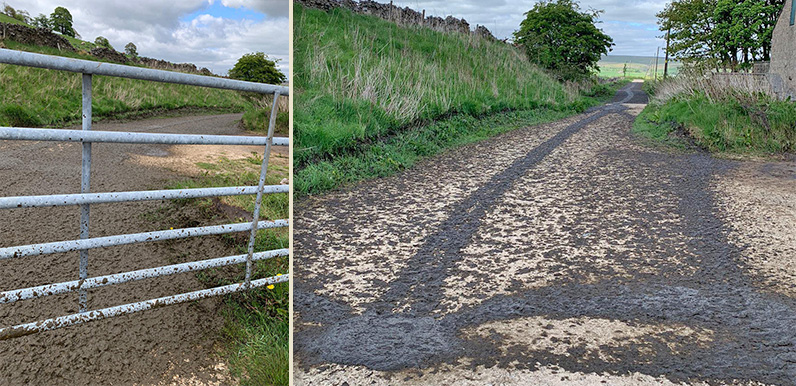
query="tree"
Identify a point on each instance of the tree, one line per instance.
(559, 37)
(18, 14)
(42, 21)
(131, 50)
(257, 67)
(101, 41)
(9, 10)
(723, 34)
(61, 21)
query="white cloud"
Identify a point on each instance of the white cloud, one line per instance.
(274, 8)
(156, 28)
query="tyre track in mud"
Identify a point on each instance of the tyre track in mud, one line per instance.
(169, 345)
(569, 225)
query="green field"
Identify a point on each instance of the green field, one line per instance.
(372, 97)
(34, 97)
(638, 67)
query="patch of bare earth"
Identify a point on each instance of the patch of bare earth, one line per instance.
(759, 199)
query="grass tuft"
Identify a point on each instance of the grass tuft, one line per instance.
(18, 116)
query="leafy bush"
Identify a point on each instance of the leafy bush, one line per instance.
(102, 41)
(257, 67)
(558, 36)
(131, 50)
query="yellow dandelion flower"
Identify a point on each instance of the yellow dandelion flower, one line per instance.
(271, 286)
(278, 274)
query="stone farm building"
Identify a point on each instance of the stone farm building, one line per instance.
(782, 68)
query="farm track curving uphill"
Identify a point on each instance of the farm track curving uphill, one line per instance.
(560, 253)
(169, 345)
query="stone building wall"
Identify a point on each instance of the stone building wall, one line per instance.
(782, 68)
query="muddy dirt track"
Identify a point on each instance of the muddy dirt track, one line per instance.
(170, 345)
(565, 253)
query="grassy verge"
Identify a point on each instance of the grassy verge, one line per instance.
(34, 97)
(359, 78)
(43, 98)
(731, 122)
(256, 332)
(8, 19)
(404, 149)
(373, 97)
(257, 116)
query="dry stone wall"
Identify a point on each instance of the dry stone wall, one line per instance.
(46, 38)
(34, 36)
(402, 16)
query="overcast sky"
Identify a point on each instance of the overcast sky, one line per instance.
(208, 33)
(631, 23)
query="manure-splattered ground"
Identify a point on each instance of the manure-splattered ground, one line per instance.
(565, 253)
(175, 345)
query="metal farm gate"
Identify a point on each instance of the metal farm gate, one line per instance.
(85, 199)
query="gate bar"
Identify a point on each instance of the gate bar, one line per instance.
(109, 69)
(69, 320)
(118, 278)
(41, 134)
(132, 238)
(146, 195)
(261, 184)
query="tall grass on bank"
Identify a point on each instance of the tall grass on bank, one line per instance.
(735, 113)
(258, 116)
(359, 78)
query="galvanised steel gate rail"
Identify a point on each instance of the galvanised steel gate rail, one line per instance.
(84, 199)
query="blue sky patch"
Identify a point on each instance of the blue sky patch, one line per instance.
(219, 10)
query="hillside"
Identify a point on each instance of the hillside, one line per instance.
(372, 97)
(76, 43)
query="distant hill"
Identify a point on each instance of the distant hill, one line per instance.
(637, 66)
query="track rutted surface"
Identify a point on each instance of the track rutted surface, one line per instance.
(169, 345)
(563, 253)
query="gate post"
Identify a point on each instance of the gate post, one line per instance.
(85, 187)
